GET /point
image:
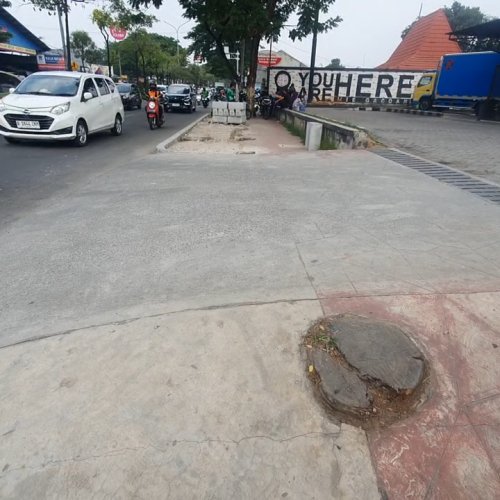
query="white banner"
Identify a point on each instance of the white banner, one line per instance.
(345, 85)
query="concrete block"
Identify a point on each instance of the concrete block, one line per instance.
(220, 112)
(219, 105)
(314, 132)
(236, 120)
(219, 119)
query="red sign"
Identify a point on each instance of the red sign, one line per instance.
(266, 59)
(118, 33)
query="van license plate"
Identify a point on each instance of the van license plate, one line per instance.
(27, 124)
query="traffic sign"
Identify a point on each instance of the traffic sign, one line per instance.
(118, 33)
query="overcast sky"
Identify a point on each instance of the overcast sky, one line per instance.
(368, 35)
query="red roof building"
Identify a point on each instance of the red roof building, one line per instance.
(424, 44)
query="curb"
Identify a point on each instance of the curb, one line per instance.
(164, 145)
(414, 112)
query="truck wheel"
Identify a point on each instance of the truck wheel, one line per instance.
(425, 104)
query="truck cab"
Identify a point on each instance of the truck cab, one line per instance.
(424, 91)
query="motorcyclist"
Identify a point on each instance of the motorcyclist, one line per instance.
(154, 93)
(204, 94)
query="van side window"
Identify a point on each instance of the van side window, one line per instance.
(89, 86)
(425, 80)
(101, 85)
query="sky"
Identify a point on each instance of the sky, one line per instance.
(369, 33)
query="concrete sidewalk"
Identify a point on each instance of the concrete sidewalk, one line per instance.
(152, 318)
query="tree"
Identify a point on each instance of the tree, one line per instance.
(232, 23)
(335, 64)
(461, 17)
(82, 44)
(5, 3)
(118, 15)
(309, 13)
(103, 20)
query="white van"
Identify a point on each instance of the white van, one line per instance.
(61, 105)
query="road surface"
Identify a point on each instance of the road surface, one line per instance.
(32, 172)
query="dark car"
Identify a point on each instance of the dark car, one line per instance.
(180, 98)
(131, 95)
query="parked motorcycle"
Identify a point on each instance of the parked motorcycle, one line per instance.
(266, 107)
(155, 113)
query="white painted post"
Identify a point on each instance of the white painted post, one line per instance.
(314, 132)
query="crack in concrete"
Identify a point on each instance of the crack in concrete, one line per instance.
(230, 305)
(234, 305)
(309, 277)
(172, 444)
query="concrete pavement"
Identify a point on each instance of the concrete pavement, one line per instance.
(461, 142)
(169, 295)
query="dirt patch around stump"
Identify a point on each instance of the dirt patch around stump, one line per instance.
(365, 372)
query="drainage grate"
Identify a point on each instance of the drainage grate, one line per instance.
(443, 173)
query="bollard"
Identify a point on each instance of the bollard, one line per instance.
(314, 132)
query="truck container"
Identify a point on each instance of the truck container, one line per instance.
(461, 81)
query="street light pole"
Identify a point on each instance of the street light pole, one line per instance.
(68, 46)
(177, 28)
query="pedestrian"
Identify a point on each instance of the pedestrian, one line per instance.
(293, 95)
(230, 93)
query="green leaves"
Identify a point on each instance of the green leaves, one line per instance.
(82, 43)
(310, 17)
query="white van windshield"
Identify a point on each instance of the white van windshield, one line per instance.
(49, 85)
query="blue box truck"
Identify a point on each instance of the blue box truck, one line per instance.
(465, 80)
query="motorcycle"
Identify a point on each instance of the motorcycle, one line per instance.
(155, 113)
(266, 107)
(205, 101)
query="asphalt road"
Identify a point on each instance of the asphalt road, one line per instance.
(32, 172)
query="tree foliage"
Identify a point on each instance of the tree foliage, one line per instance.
(117, 14)
(81, 43)
(335, 64)
(307, 11)
(221, 23)
(144, 55)
(460, 17)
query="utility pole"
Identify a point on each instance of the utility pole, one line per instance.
(313, 53)
(268, 76)
(68, 45)
(242, 78)
(61, 28)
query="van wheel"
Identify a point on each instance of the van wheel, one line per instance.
(11, 140)
(425, 104)
(118, 128)
(81, 134)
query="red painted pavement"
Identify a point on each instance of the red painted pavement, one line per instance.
(449, 449)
